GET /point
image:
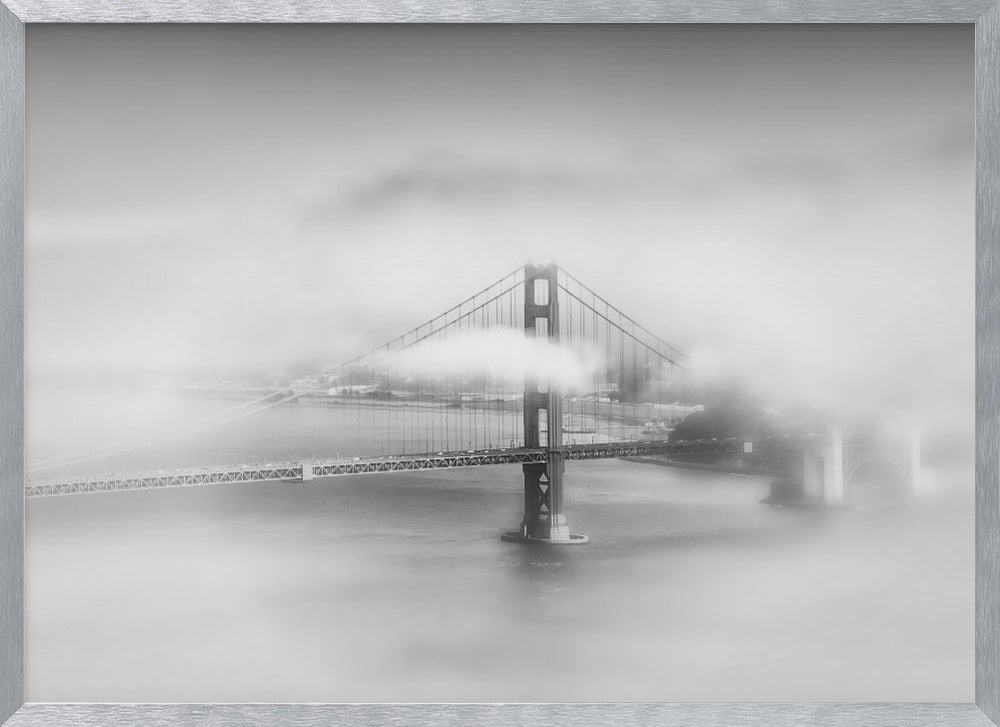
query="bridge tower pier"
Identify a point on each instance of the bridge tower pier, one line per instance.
(828, 468)
(823, 470)
(544, 520)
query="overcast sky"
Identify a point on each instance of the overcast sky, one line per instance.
(793, 204)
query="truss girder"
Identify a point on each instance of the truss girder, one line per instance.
(406, 463)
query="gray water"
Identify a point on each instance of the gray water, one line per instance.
(397, 588)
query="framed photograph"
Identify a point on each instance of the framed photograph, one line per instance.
(561, 364)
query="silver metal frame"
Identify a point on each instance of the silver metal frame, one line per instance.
(985, 14)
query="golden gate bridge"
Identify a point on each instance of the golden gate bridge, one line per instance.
(536, 369)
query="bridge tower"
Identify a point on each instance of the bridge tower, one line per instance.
(831, 464)
(544, 520)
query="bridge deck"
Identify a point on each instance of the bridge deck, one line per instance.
(276, 471)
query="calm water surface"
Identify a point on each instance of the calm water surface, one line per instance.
(397, 588)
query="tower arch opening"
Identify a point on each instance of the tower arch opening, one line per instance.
(877, 480)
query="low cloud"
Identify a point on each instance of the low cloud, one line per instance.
(505, 355)
(447, 178)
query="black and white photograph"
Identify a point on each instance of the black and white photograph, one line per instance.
(519, 363)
